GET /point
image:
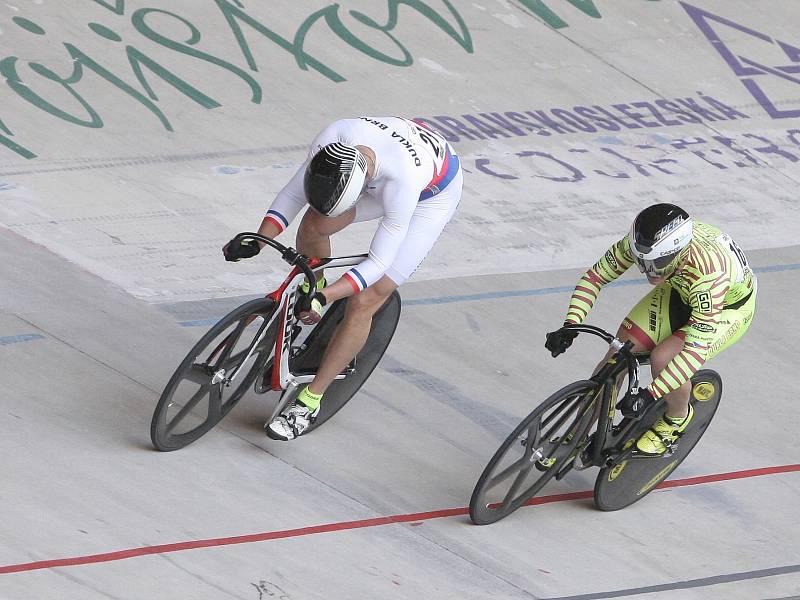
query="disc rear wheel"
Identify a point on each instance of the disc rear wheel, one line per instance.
(620, 485)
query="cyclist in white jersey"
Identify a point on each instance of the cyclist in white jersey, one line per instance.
(386, 168)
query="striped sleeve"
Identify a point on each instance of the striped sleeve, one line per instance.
(706, 300)
(613, 264)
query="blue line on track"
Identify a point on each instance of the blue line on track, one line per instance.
(17, 339)
(555, 290)
(514, 293)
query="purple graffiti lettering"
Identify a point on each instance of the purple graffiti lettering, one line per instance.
(485, 128)
(620, 120)
(482, 165)
(731, 144)
(446, 133)
(725, 109)
(686, 142)
(576, 174)
(572, 120)
(522, 120)
(543, 118)
(588, 113)
(459, 128)
(640, 168)
(747, 69)
(656, 113)
(771, 147)
(703, 113)
(503, 122)
(683, 115)
(631, 114)
(793, 133)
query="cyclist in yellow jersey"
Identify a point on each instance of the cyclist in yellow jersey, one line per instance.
(703, 302)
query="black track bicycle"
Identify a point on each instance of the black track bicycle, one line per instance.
(579, 427)
(262, 346)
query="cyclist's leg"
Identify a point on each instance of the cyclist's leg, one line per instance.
(352, 333)
(644, 325)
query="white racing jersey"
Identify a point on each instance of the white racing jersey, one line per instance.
(412, 165)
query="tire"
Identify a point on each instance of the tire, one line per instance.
(621, 485)
(192, 403)
(566, 415)
(384, 323)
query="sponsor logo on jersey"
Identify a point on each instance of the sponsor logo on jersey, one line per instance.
(704, 327)
(612, 260)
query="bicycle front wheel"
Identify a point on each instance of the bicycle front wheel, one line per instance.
(215, 374)
(622, 484)
(544, 444)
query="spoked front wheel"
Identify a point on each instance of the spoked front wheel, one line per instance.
(544, 444)
(214, 376)
(622, 484)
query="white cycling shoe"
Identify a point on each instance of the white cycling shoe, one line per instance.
(291, 423)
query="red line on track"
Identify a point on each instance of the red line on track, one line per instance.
(346, 525)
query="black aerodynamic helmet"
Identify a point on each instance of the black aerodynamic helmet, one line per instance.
(335, 178)
(657, 236)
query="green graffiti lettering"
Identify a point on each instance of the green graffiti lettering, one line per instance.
(139, 22)
(8, 68)
(138, 59)
(118, 7)
(105, 32)
(234, 15)
(79, 60)
(331, 16)
(83, 60)
(587, 7)
(12, 145)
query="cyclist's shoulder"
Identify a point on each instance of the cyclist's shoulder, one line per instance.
(708, 261)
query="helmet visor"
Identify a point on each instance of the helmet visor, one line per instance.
(657, 267)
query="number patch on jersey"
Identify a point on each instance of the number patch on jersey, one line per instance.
(431, 141)
(744, 268)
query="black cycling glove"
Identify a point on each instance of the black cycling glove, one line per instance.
(237, 249)
(310, 302)
(558, 341)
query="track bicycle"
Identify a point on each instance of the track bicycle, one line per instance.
(261, 345)
(579, 427)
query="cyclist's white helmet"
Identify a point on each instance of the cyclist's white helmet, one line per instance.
(335, 178)
(657, 236)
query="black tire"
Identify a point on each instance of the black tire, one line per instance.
(566, 415)
(623, 484)
(192, 402)
(384, 323)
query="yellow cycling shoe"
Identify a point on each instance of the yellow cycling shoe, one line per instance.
(663, 432)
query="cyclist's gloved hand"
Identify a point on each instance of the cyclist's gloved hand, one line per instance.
(308, 308)
(558, 341)
(633, 405)
(237, 249)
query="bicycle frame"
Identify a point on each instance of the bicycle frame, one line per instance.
(285, 298)
(604, 451)
(284, 319)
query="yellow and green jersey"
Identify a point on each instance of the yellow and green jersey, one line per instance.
(713, 275)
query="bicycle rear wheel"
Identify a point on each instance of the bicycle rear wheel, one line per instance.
(384, 323)
(620, 485)
(214, 375)
(544, 444)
